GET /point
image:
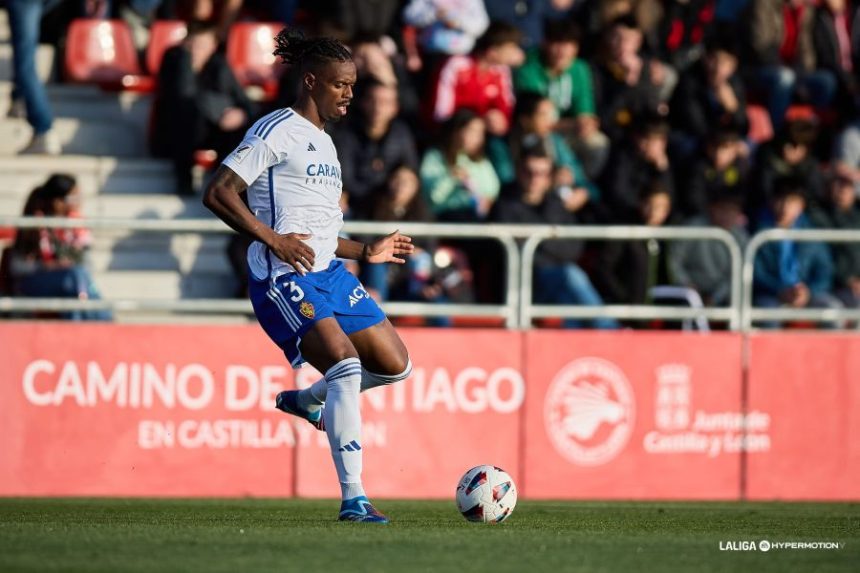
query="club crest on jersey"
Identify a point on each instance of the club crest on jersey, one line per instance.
(357, 294)
(307, 309)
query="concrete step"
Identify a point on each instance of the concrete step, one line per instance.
(91, 103)
(44, 62)
(150, 206)
(79, 137)
(161, 285)
(184, 253)
(188, 262)
(95, 176)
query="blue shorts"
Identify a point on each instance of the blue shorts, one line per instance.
(289, 306)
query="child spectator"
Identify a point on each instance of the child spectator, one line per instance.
(637, 167)
(721, 171)
(556, 71)
(841, 211)
(482, 81)
(627, 84)
(705, 265)
(787, 156)
(792, 273)
(710, 96)
(626, 270)
(532, 199)
(534, 120)
(458, 181)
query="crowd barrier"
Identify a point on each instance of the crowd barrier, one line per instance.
(133, 410)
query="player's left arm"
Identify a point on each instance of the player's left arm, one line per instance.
(383, 250)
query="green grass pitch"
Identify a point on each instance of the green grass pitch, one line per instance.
(301, 535)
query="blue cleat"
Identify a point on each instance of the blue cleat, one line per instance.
(360, 509)
(286, 402)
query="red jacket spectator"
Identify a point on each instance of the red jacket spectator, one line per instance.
(482, 81)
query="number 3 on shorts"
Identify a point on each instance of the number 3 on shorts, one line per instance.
(300, 294)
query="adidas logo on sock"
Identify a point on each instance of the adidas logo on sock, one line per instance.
(311, 147)
(353, 446)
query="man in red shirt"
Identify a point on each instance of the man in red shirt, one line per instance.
(482, 81)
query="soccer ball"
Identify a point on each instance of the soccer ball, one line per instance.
(486, 494)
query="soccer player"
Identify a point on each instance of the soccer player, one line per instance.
(302, 295)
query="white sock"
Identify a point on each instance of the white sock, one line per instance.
(343, 423)
(315, 394)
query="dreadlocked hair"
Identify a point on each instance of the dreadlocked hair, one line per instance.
(294, 48)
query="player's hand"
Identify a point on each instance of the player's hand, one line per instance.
(386, 249)
(291, 249)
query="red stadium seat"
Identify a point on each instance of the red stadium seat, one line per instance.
(249, 53)
(164, 35)
(102, 52)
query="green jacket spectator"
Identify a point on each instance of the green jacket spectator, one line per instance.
(571, 91)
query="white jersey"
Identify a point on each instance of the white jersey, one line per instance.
(294, 186)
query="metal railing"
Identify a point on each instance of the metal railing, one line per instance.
(508, 311)
(750, 314)
(528, 310)
(518, 309)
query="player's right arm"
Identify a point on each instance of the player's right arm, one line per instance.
(222, 197)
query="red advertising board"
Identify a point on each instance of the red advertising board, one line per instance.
(809, 384)
(99, 409)
(141, 410)
(459, 409)
(632, 415)
(155, 410)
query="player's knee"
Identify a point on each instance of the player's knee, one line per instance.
(400, 372)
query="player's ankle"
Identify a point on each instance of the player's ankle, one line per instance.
(351, 490)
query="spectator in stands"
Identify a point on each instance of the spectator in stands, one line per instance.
(372, 144)
(780, 51)
(626, 270)
(628, 84)
(199, 103)
(535, 117)
(846, 153)
(706, 265)
(789, 273)
(420, 279)
(458, 181)
(637, 167)
(530, 17)
(789, 155)
(710, 96)
(842, 211)
(684, 26)
(482, 81)
(533, 199)
(25, 17)
(50, 262)
(349, 19)
(218, 14)
(376, 59)
(834, 50)
(556, 71)
(721, 171)
(447, 27)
